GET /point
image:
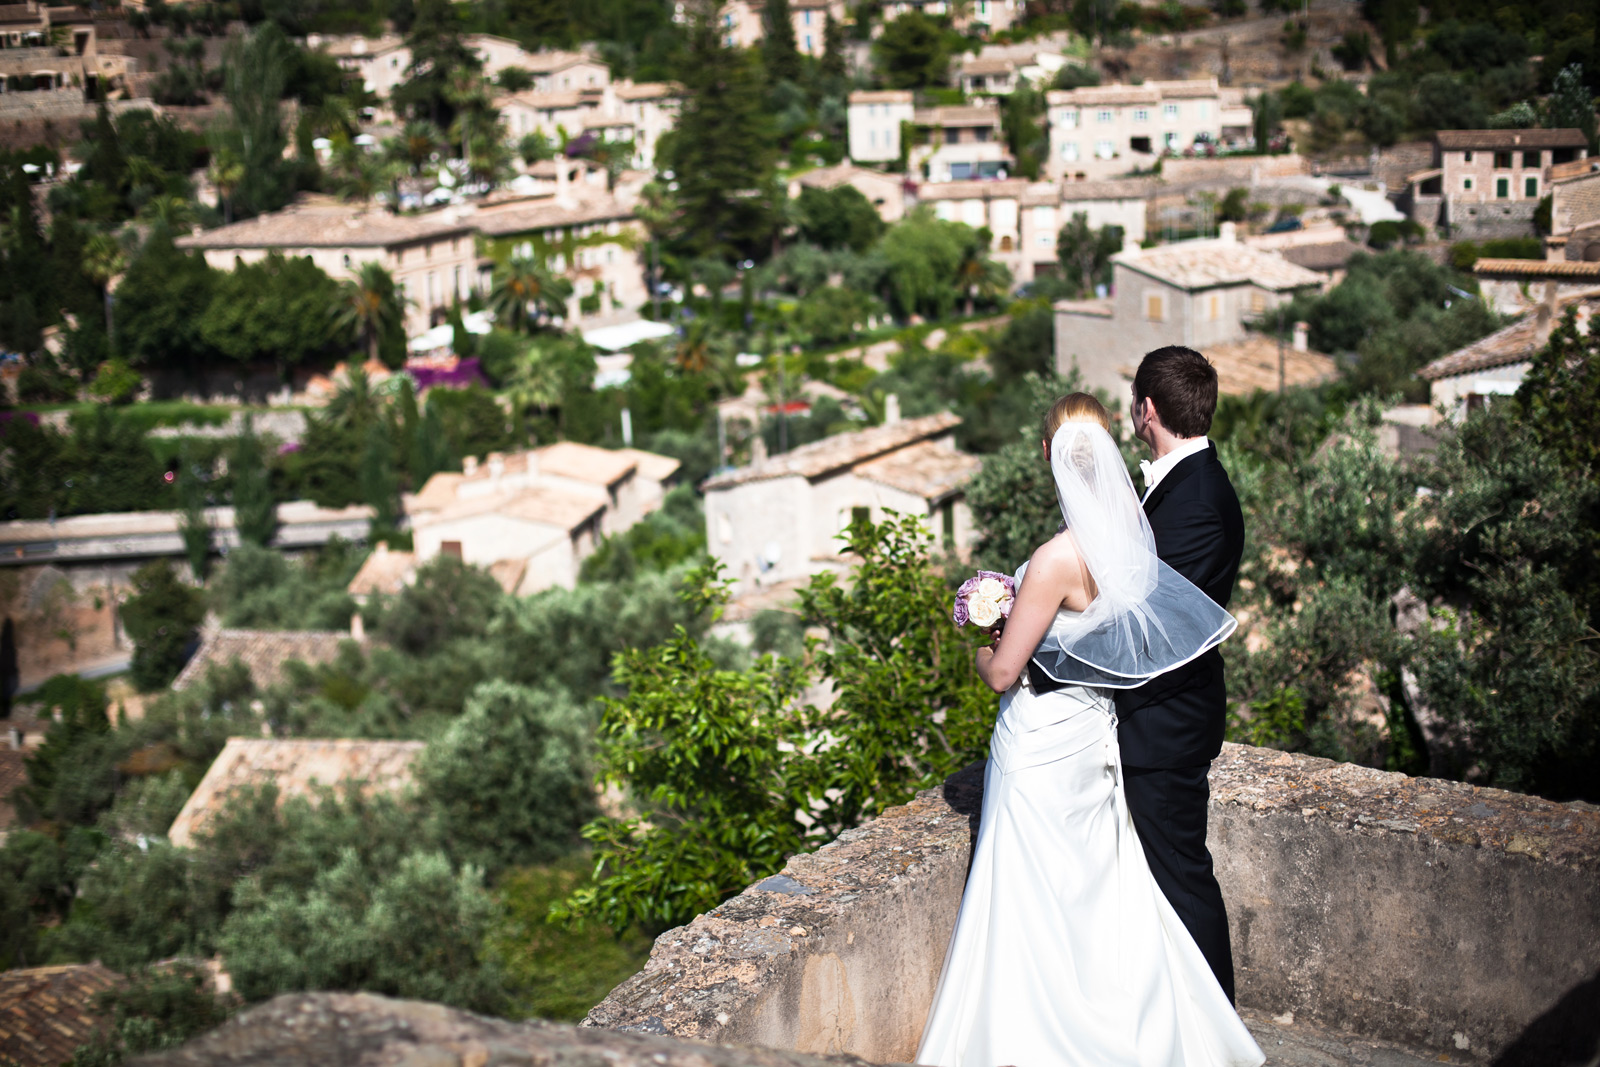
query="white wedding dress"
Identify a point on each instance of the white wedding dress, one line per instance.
(1066, 953)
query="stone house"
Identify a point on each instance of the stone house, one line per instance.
(742, 25)
(431, 257)
(55, 51)
(1020, 216)
(1100, 131)
(780, 517)
(614, 113)
(876, 119)
(382, 63)
(980, 16)
(298, 768)
(959, 143)
(1123, 202)
(1488, 183)
(531, 518)
(552, 71)
(987, 76)
(886, 192)
(1493, 367)
(261, 652)
(596, 243)
(1574, 212)
(1195, 293)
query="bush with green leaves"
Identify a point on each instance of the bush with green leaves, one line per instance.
(260, 588)
(163, 619)
(158, 1009)
(509, 782)
(670, 535)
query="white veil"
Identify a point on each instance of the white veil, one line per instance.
(1146, 618)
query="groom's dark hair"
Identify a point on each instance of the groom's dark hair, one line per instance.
(1183, 385)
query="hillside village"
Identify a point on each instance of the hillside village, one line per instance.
(425, 425)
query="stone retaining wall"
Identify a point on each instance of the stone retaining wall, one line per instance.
(1427, 913)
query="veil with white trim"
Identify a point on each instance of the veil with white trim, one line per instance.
(1146, 618)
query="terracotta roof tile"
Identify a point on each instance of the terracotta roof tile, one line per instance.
(1329, 255)
(975, 115)
(1451, 140)
(652, 466)
(841, 174)
(47, 1012)
(512, 218)
(297, 768)
(1516, 343)
(839, 451)
(1251, 364)
(649, 90)
(1216, 261)
(882, 96)
(1535, 269)
(1008, 188)
(540, 505)
(263, 652)
(601, 466)
(983, 65)
(1111, 189)
(319, 225)
(928, 469)
(384, 571)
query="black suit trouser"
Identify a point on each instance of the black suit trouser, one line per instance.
(1169, 807)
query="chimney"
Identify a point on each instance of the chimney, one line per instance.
(469, 466)
(1228, 232)
(891, 409)
(1300, 329)
(358, 628)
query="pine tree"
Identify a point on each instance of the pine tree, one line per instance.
(1571, 105)
(778, 50)
(722, 151)
(833, 62)
(380, 483)
(255, 515)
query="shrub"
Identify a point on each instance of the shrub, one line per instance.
(163, 617)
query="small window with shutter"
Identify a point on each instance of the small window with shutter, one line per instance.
(1155, 307)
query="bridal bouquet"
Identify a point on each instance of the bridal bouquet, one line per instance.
(984, 600)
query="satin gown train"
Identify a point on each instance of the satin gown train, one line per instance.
(1066, 954)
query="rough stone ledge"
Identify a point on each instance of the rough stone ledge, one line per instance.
(364, 1030)
(1367, 800)
(1454, 920)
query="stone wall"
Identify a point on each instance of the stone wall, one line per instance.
(1428, 913)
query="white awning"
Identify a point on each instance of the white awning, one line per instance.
(625, 336)
(441, 336)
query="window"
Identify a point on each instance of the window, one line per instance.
(345, 259)
(724, 528)
(1466, 157)
(1141, 114)
(808, 22)
(1258, 302)
(1069, 151)
(1169, 112)
(1104, 116)
(1155, 307)
(960, 172)
(1530, 188)
(1502, 188)
(1104, 149)
(450, 548)
(808, 36)
(1069, 120)
(872, 139)
(1502, 161)
(1204, 108)
(1466, 184)
(1530, 160)
(947, 520)
(1213, 307)
(860, 516)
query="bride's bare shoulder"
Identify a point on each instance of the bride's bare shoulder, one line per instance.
(1059, 554)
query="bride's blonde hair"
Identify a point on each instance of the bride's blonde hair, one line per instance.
(1075, 407)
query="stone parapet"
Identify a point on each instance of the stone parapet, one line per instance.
(365, 1030)
(1431, 914)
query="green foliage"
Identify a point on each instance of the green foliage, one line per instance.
(412, 931)
(708, 756)
(39, 874)
(116, 382)
(260, 589)
(556, 971)
(194, 527)
(909, 708)
(840, 217)
(668, 536)
(914, 51)
(924, 255)
(1560, 395)
(71, 775)
(101, 464)
(448, 600)
(1085, 254)
(1571, 104)
(276, 310)
(508, 782)
(157, 1010)
(162, 617)
(255, 512)
(1463, 254)
(255, 74)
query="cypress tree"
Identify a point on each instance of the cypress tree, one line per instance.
(833, 63)
(193, 527)
(778, 50)
(722, 151)
(255, 514)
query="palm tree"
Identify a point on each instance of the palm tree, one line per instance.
(523, 288)
(370, 305)
(227, 171)
(536, 382)
(979, 277)
(176, 213)
(103, 260)
(355, 405)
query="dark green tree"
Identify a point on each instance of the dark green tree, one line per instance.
(194, 527)
(255, 511)
(841, 217)
(278, 311)
(437, 54)
(1571, 104)
(255, 75)
(162, 617)
(161, 301)
(1085, 253)
(778, 51)
(722, 152)
(913, 52)
(380, 481)
(833, 59)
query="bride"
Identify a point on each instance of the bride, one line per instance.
(1066, 952)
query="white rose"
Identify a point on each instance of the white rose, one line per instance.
(983, 612)
(992, 589)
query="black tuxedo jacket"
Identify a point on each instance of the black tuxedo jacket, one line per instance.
(1177, 720)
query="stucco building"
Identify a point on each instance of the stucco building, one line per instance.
(431, 257)
(1195, 293)
(1099, 131)
(886, 192)
(876, 118)
(959, 143)
(636, 114)
(1488, 183)
(780, 518)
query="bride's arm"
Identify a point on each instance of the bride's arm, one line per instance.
(1055, 577)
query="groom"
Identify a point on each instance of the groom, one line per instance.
(1170, 729)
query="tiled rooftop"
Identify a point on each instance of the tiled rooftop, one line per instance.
(1112, 189)
(47, 1012)
(1330, 255)
(1451, 140)
(972, 190)
(1536, 269)
(841, 174)
(324, 225)
(537, 504)
(602, 466)
(648, 90)
(384, 571)
(297, 768)
(930, 470)
(882, 96)
(655, 467)
(1217, 261)
(263, 652)
(1516, 343)
(983, 65)
(974, 115)
(839, 451)
(548, 214)
(1251, 364)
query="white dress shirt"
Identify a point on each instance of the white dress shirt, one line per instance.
(1154, 471)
